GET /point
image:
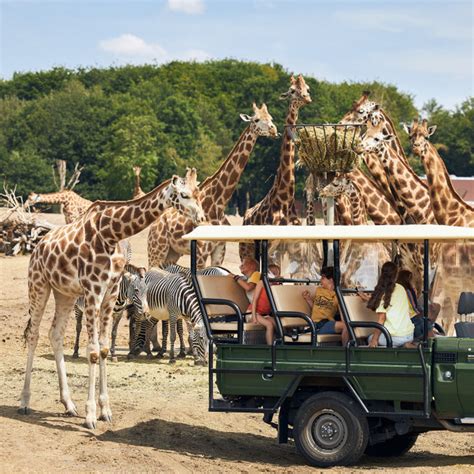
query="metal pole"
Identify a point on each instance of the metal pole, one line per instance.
(426, 286)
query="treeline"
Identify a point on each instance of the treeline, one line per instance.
(176, 115)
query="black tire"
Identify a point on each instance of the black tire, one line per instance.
(330, 429)
(394, 447)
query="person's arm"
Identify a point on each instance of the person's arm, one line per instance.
(258, 290)
(376, 335)
(308, 298)
(247, 286)
(363, 296)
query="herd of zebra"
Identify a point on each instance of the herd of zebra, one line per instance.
(148, 297)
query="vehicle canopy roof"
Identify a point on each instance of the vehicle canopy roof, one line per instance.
(364, 233)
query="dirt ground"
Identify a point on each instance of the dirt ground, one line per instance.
(160, 417)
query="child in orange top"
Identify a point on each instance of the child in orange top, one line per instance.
(261, 308)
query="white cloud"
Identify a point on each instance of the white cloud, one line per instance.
(429, 63)
(191, 7)
(134, 49)
(382, 20)
(131, 46)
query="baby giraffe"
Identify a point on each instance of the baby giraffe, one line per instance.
(84, 259)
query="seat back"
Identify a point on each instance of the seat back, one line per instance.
(222, 287)
(290, 298)
(358, 311)
(466, 303)
(464, 329)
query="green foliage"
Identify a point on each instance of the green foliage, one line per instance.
(176, 115)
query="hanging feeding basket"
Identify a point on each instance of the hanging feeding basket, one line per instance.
(327, 148)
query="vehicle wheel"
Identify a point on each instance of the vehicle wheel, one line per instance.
(330, 429)
(396, 446)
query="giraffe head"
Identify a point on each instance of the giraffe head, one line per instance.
(137, 170)
(261, 122)
(183, 195)
(361, 110)
(298, 92)
(339, 185)
(373, 140)
(33, 198)
(419, 134)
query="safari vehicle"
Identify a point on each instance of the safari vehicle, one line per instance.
(336, 402)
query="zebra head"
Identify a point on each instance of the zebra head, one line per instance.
(137, 292)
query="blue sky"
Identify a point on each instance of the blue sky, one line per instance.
(424, 47)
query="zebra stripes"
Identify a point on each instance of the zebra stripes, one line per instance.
(171, 296)
(185, 271)
(132, 283)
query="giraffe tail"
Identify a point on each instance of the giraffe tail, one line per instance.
(26, 332)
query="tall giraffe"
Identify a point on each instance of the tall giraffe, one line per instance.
(456, 272)
(409, 191)
(84, 258)
(448, 207)
(137, 190)
(278, 206)
(165, 239)
(73, 205)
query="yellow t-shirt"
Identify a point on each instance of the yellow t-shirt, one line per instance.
(325, 305)
(253, 278)
(398, 312)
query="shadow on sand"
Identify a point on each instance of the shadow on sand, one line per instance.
(209, 443)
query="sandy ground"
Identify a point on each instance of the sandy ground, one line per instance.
(161, 422)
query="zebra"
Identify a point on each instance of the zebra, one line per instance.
(132, 283)
(170, 296)
(153, 337)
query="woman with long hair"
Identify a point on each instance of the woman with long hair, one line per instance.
(404, 279)
(389, 300)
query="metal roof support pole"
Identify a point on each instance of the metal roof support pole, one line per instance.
(426, 287)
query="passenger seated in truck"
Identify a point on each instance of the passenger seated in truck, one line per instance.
(250, 276)
(324, 306)
(261, 308)
(390, 301)
(404, 279)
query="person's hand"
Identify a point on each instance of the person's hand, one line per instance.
(373, 342)
(306, 294)
(236, 277)
(363, 296)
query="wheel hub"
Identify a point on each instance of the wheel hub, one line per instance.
(329, 431)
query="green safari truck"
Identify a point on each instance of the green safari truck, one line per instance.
(336, 401)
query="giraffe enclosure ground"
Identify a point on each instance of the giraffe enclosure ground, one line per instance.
(160, 417)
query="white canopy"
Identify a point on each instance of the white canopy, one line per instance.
(366, 233)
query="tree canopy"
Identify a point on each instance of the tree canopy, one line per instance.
(176, 115)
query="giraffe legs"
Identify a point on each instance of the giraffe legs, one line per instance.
(78, 314)
(218, 254)
(104, 344)
(38, 296)
(64, 307)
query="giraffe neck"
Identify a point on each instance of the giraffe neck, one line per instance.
(217, 189)
(137, 189)
(283, 188)
(118, 220)
(408, 189)
(310, 217)
(395, 143)
(359, 213)
(448, 207)
(60, 197)
(381, 209)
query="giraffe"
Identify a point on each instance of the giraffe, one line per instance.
(381, 210)
(137, 190)
(410, 192)
(277, 207)
(165, 239)
(448, 207)
(84, 258)
(343, 185)
(73, 205)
